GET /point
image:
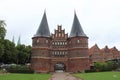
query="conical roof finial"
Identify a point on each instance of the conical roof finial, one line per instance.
(45, 10)
(76, 27)
(74, 11)
(43, 30)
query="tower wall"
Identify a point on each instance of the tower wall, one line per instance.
(40, 60)
(78, 53)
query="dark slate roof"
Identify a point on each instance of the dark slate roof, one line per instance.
(76, 28)
(43, 30)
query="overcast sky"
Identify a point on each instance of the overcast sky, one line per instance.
(100, 19)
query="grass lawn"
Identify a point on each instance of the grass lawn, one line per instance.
(99, 76)
(25, 76)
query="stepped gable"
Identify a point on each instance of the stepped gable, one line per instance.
(93, 48)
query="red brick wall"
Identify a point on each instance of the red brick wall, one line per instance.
(40, 65)
(44, 51)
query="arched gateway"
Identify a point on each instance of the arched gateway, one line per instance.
(56, 51)
(59, 66)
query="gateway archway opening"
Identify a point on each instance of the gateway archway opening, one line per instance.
(60, 67)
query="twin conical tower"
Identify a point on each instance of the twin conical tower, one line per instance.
(43, 30)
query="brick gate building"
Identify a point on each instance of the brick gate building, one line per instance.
(59, 50)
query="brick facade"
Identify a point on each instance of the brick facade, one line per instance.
(96, 54)
(72, 52)
(102, 55)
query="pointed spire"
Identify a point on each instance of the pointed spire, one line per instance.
(76, 27)
(13, 40)
(43, 30)
(19, 41)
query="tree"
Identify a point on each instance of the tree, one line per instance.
(23, 54)
(2, 35)
(1, 51)
(9, 55)
(2, 29)
(28, 55)
(104, 66)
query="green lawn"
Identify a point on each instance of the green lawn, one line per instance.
(24, 76)
(99, 76)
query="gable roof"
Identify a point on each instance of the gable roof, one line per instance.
(105, 49)
(92, 49)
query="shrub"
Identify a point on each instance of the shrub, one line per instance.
(89, 71)
(19, 69)
(104, 66)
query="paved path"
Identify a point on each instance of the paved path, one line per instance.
(63, 76)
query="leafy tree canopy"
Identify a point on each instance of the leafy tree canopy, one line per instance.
(2, 29)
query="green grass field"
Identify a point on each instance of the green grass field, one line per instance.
(99, 76)
(25, 76)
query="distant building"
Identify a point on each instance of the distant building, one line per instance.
(96, 54)
(58, 51)
(102, 55)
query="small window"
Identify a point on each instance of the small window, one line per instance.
(37, 40)
(59, 35)
(53, 43)
(60, 43)
(46, 41)
(60, 53)
(55, 53)
(62, 35)
(65, 43)
(57, 43)
(78, 41)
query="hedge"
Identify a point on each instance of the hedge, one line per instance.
(19, 69)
